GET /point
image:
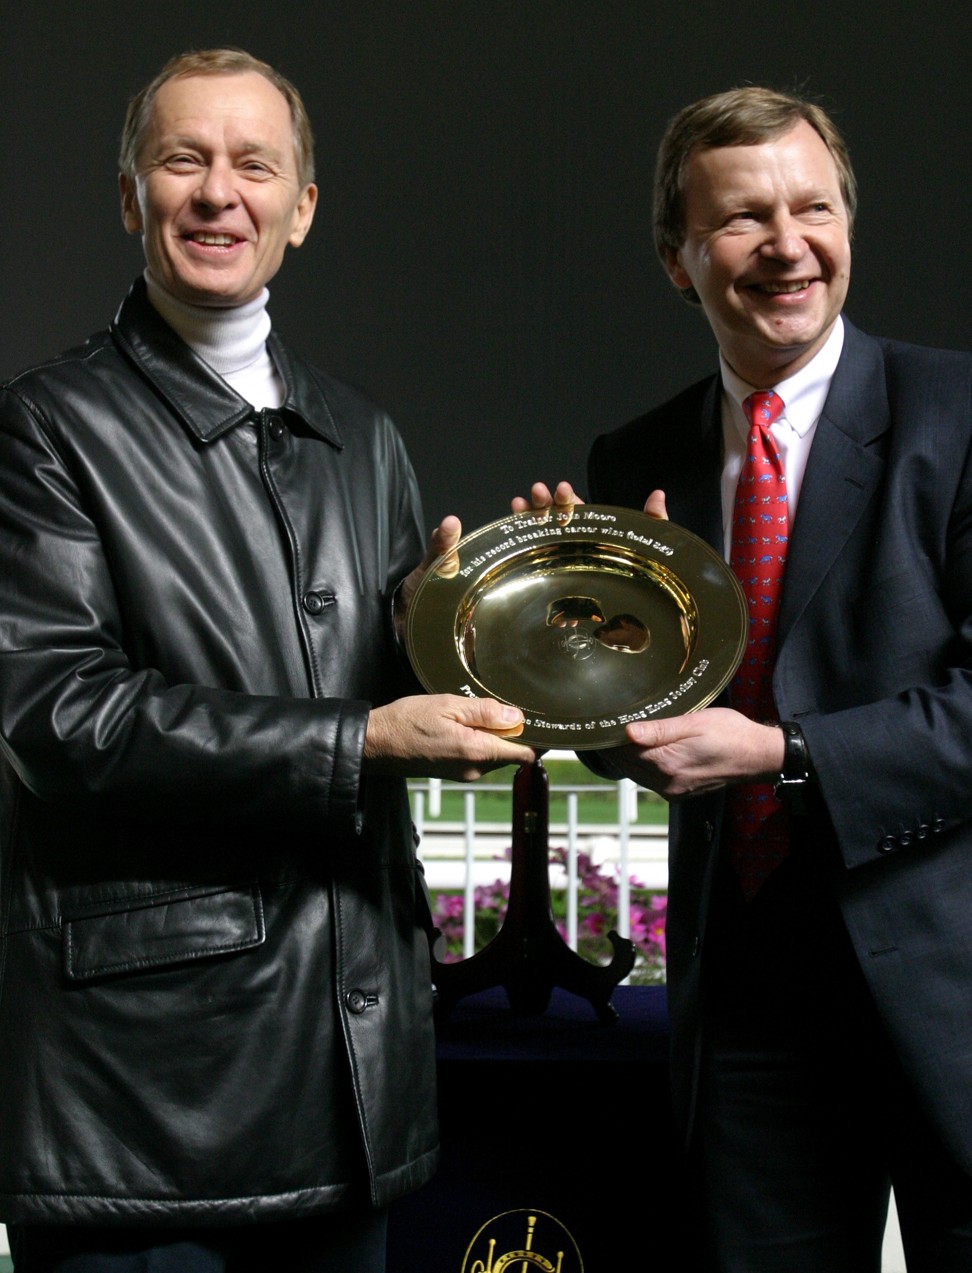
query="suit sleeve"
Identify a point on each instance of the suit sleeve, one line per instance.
(888, 720)
(894, 772)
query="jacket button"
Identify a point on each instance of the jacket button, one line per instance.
(904, 839)
(922, 832)
(276, 428)
(938, 826)
(313, 602)
(709, 831)
(356, 1001)
(888, 844)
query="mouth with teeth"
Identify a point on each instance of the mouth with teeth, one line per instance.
(783, 288)
(212, 240)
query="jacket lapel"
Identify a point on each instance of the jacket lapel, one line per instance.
(842, 473)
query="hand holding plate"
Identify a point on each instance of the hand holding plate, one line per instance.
(443, 736)
(687, 755)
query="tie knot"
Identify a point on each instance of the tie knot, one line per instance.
(763, 408)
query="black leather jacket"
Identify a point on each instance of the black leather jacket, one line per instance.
(214, 988)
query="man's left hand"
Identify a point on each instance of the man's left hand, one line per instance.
(686, 755)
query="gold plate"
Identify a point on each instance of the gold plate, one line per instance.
(585, 620)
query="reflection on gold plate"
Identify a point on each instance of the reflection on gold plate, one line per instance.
(585, 620)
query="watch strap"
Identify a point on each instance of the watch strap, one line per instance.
(796, 758)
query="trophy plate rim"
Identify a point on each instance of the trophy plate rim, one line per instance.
(514, 613)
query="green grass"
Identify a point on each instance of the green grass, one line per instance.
(597, 803)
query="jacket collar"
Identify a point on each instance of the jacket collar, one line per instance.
(207, 406)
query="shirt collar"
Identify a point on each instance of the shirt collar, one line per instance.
(207, 405)
(804, 393)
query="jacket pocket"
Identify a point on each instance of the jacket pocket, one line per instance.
(169, 929)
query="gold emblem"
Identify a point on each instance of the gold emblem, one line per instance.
(521, 1241)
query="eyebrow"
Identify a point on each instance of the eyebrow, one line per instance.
(190, 141)
(758, 199)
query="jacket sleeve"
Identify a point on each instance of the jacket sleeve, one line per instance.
(81, 725)
(887, 705)
(894, 771)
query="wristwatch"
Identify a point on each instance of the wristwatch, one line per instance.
(795, 773)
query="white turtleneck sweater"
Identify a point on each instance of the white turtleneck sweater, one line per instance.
(232, 341)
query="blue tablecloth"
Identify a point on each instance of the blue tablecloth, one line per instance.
(559, 1114)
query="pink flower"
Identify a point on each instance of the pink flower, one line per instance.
(598, 915)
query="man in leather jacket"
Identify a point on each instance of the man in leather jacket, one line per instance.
(214, 979)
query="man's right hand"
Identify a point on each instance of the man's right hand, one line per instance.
(443, 736)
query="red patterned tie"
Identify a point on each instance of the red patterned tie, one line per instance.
(757, 822)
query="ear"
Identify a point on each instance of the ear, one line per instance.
(675, 270)
(303, 215)
(131, 212)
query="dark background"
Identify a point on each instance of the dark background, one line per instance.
(481, 259)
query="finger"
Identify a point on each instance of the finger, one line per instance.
(445, 536)
(488, 713)
(512, 731)
(442, 545)
(540, 498)
(655, 506)
(565, 496)
(653, 733)
(501, 724)
(636, 733)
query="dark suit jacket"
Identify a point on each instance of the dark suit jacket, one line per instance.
(874, 660)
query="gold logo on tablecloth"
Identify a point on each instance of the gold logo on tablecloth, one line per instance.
(521, 1241)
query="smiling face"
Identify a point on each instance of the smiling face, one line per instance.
(767, 249)
(217, 198)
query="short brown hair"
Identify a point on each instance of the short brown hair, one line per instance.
(227, 61)
(739, 117)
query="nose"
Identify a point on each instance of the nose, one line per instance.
(216, 188)
(784, 239)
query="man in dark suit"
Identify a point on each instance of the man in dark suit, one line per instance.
(821, 1007)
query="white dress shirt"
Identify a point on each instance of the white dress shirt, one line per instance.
(804, 394)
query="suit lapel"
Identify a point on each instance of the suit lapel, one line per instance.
(842, 472)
